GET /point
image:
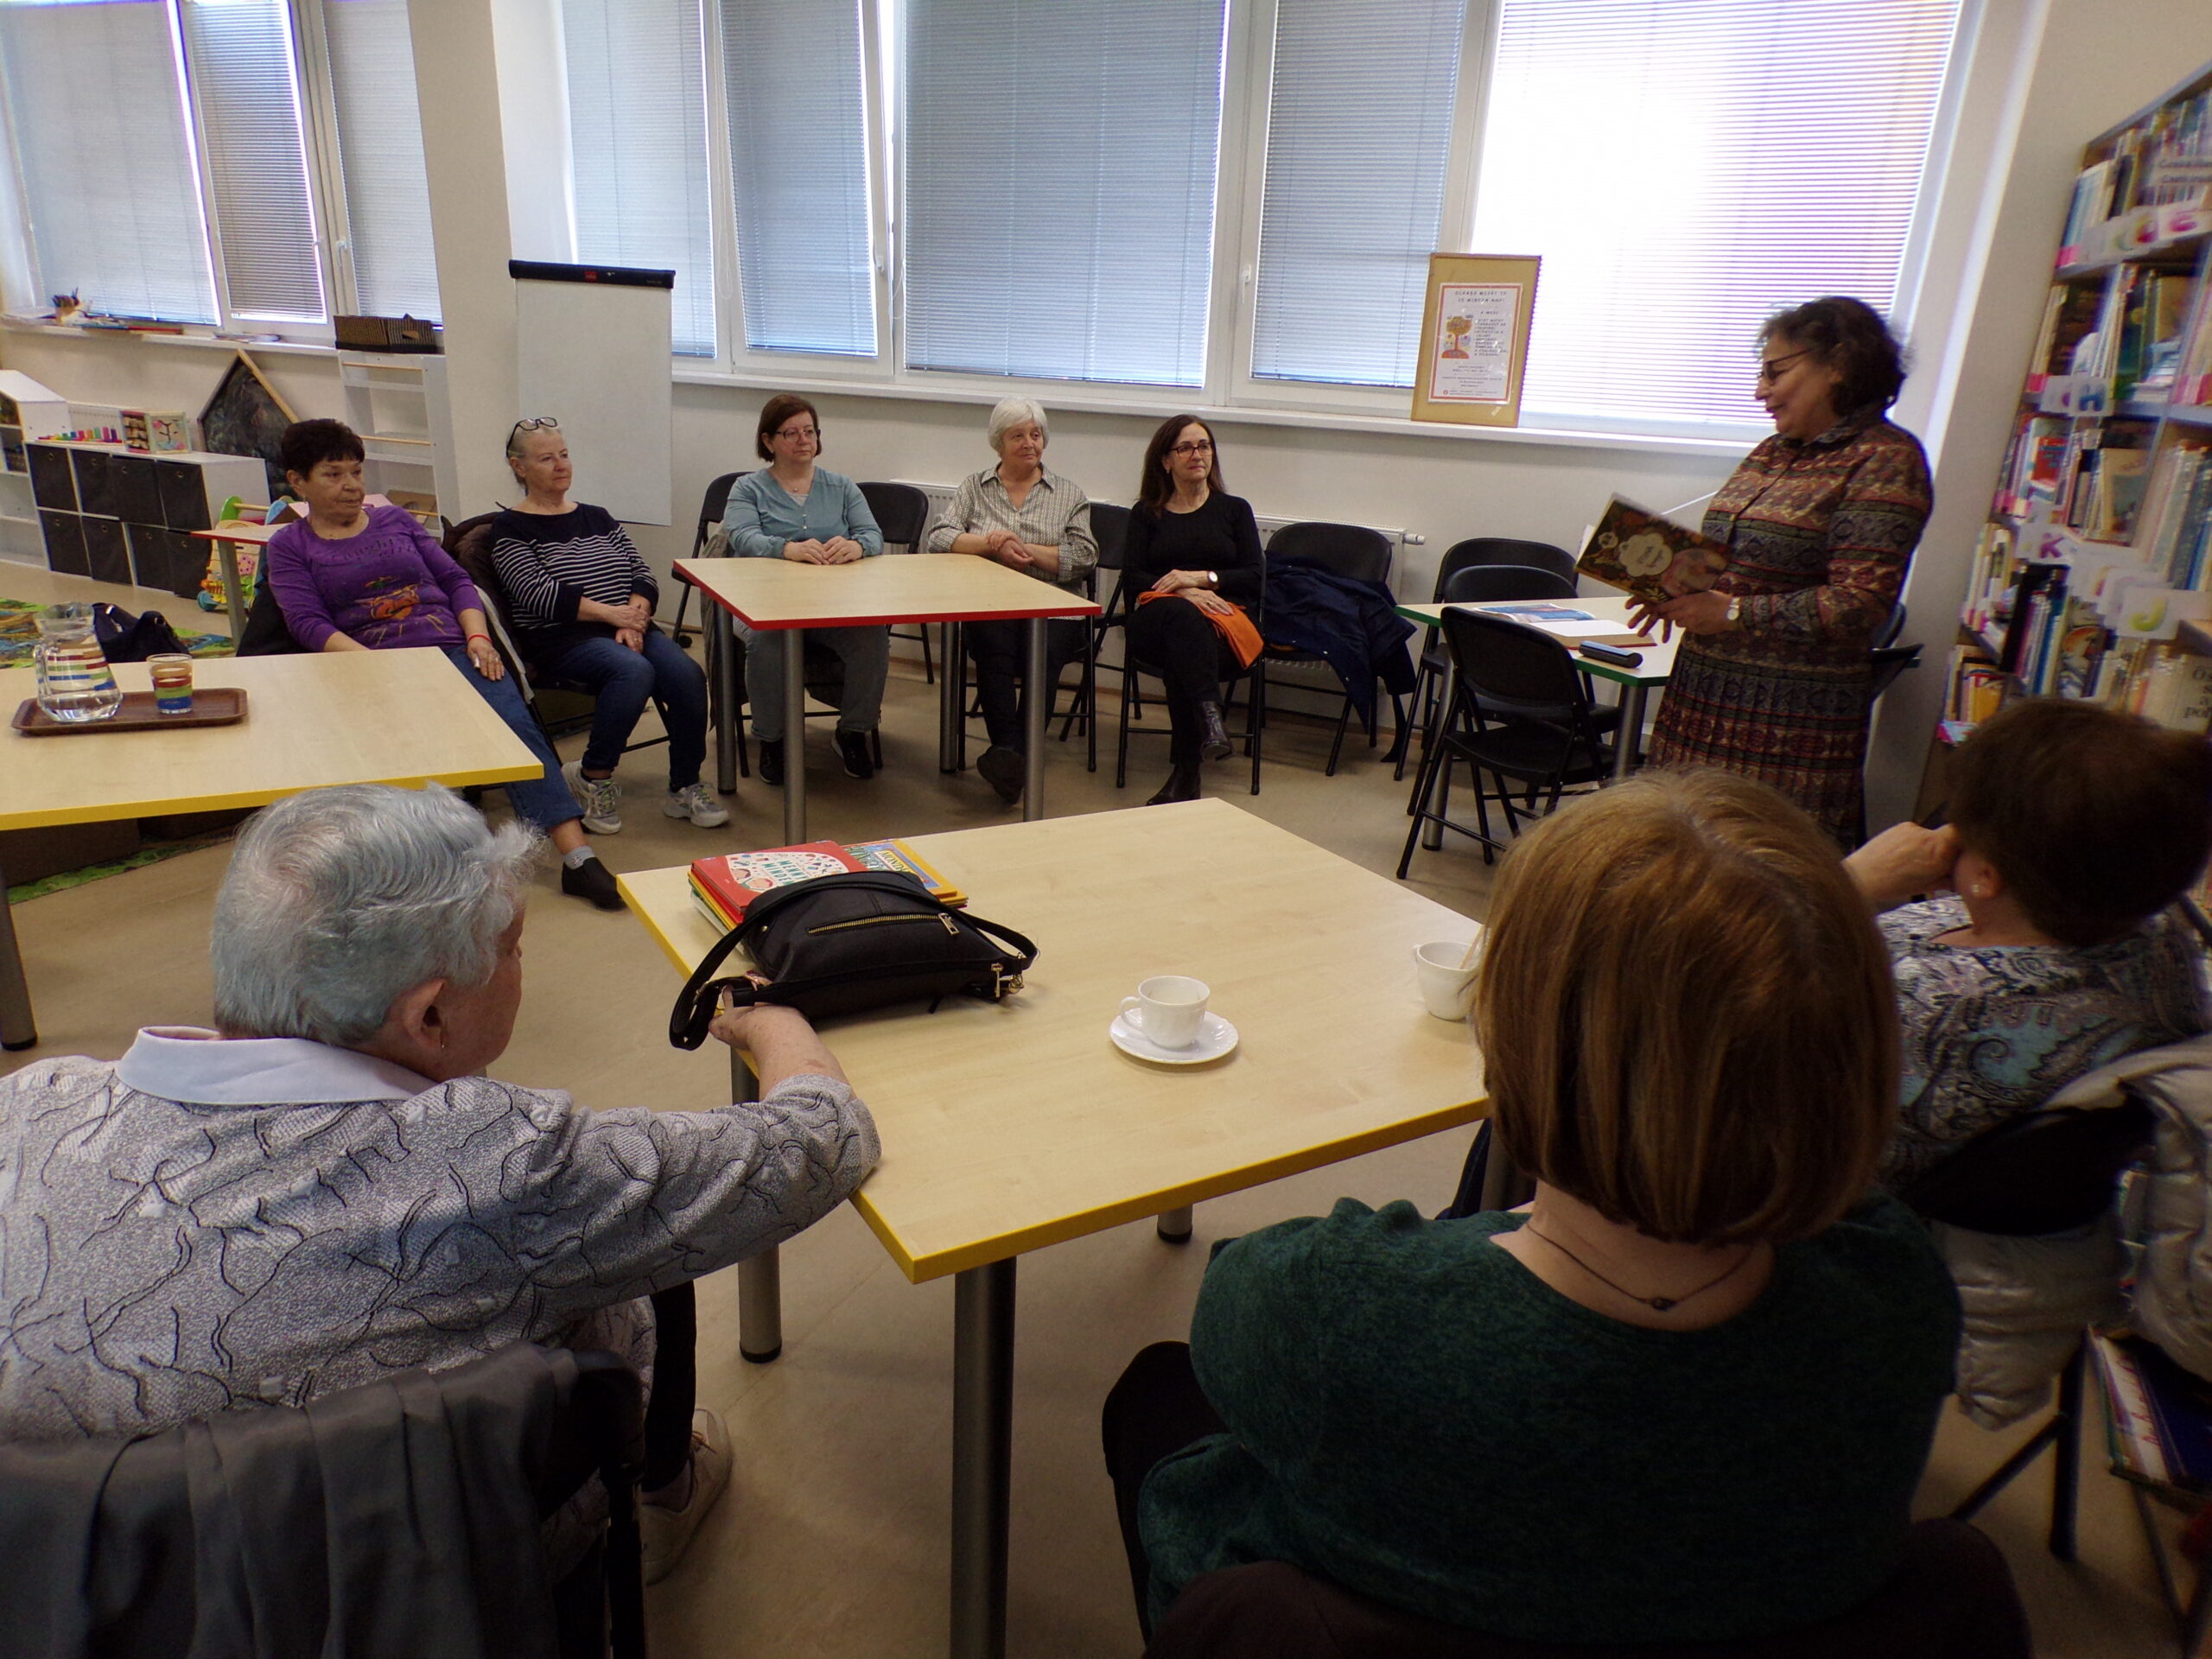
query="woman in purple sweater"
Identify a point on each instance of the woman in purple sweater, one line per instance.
(354, 577)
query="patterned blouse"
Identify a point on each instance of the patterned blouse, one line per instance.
(1054, 514)
(1992, 1031)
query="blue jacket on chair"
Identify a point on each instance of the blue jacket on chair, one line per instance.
(1352, 625)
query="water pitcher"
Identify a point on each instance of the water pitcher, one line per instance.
(74, 681)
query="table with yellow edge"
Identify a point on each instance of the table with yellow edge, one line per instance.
(1007, 1126)
(403, 717)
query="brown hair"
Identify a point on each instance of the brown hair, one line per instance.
(1849, 336)
(1685, 1014)
(1153, 488)
(774, 413)
(2095, 819)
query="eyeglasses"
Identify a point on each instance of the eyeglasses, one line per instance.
(1770, 371)
(535, 424)
(1203, 446)
(794, 434)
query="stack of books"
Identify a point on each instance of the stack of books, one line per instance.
(723, 886)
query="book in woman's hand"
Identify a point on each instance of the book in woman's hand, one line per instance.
(1650, 557)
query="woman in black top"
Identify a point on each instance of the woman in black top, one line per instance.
(1198, 549)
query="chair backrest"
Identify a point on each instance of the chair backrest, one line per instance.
(469, 543)
(1502, 550)
(712, 506)
(1890, 661)
(1109, 527)
(900, 510)
(1953, 1597)
(1511, 667)
(1351, 551)
(2042, 1172)
(1893, 626)
(1477, 583)
(266, 633)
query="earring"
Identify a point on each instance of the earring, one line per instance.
(1980, 890)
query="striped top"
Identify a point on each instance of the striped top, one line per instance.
(1055, 513)
(551, 561)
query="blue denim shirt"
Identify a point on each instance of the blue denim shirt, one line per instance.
(761, 515)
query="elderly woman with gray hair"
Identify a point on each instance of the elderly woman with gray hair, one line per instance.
(326, 1188)
(1035, 522)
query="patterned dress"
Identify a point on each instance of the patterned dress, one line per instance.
(1819, 533)
(1992, 1031)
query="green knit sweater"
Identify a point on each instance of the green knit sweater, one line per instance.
(1415, 1415)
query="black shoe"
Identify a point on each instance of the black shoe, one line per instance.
(594, 881)
(1182, 785)
(772, 762)
(1004, 770)
(1215, 744)
(852, 747)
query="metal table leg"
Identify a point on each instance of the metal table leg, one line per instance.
(983, 1456)
(949, 758)
(794, 735)
(760, 1278)
(722, 646)
(17, 1029)
(1174, 1225)
(1040, 697)
(1631, 735)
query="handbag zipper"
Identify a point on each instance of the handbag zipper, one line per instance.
(875, 921)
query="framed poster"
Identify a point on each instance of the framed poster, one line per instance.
(1474, 338)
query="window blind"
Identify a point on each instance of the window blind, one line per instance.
(248, 92)
(638, 148)
(1688, 167)
(95, 105)
(1359, 135)
(1059, 189)
(380, 157)
(798, 163)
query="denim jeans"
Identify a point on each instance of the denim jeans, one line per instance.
(542, 801)
(622, 680)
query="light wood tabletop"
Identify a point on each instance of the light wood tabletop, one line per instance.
(892, 588)
(1657, 668)
(336, 717)
(1011, 1126)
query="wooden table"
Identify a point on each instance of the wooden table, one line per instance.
(779, 596)
(1656, 670)
(1007, 1126)
(403, 717)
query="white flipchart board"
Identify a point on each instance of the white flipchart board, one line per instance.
(594, 350)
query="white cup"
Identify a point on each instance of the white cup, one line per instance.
(1167, 1009)
(1446, 972)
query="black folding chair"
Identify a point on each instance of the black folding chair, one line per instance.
(712, 506)
(1467, 584)
(1351, 551)
(1502, 549)
(1521, 712)
(901, 512)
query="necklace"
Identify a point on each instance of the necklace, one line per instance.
(1657, 1304)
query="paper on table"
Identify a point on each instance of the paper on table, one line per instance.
(1573, 629)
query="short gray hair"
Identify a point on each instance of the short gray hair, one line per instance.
(1012, 411)
(337, 901)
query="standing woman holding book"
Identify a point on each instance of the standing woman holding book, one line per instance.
(1192, 559)
(1820, 522)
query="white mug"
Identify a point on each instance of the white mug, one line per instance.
(1167, 1009)
(1447, 971)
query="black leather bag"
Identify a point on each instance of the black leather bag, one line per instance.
(847, 944)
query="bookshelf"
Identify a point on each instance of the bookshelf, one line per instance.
(397, 402)
(2093, 577)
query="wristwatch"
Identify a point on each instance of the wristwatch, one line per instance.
(1735, 610)
(1213, 578)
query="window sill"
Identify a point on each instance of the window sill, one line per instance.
(57, 331)
(1062, 399)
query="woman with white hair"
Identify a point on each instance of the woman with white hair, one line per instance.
(326, 1188)
(1031, 521)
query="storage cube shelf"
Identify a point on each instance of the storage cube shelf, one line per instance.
(110, 513)
(28, 410)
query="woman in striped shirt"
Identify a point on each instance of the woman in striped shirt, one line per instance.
(582, 604)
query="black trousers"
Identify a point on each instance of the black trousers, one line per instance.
(1173, 639)
(1156, 1409)
(675, 1387)
(1000, 651)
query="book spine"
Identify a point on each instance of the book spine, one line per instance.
(2134, 1424)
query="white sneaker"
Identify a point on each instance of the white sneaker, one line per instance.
(666, 1534)
(697, 803)
(600, 798)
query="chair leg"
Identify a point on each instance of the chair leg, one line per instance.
(929, 669)
(1255, 723)
(1337, 748)
(2065, 1467)
(1401, 750)
(1121, 751)
(1423, 785)
(1090, 706)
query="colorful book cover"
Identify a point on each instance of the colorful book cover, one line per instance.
(734, 879)
(902, 860)
(1648, 557)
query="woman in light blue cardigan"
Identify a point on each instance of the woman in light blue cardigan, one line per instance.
(793, 509)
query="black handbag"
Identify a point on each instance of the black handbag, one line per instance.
(847, 944)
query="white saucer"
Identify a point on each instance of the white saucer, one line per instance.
(1217, 1037)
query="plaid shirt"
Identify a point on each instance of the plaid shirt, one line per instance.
(1055, 513)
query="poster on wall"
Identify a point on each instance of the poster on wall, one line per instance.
(1474, 338)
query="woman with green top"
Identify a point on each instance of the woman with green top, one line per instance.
(791, 509)
(1686, 1395)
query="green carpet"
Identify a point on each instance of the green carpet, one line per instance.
(19, 632)
(65, 879)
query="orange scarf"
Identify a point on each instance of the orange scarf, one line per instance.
(1234, 628)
